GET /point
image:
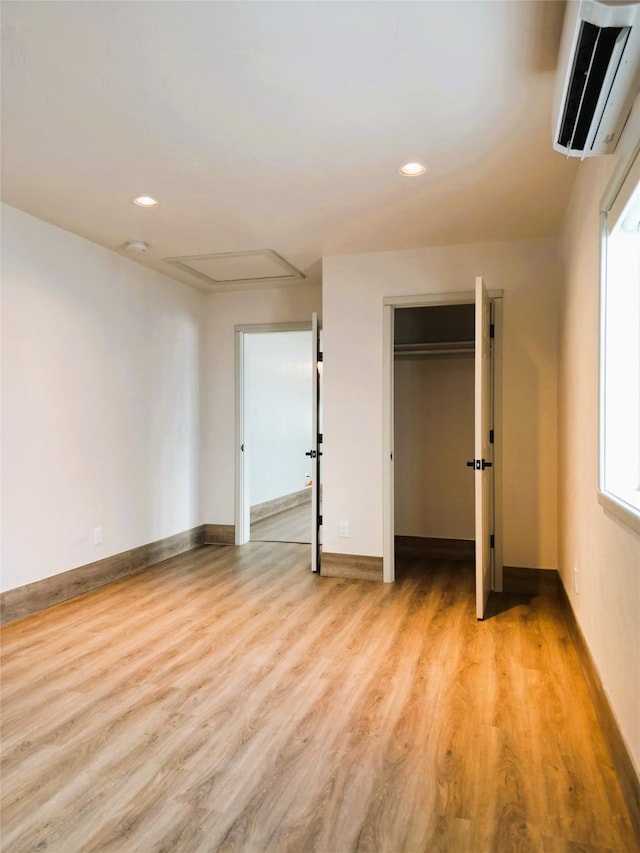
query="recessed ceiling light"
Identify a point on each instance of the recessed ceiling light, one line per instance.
(136, 246)
(412, 170)
(145, 201)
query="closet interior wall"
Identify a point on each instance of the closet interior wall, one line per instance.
(434, 421)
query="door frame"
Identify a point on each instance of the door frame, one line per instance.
(241, 511)
(390, 303)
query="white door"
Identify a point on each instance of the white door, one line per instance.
(483, 455)
(388, 439)
(316, 444)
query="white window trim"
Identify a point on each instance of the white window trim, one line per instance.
(612, 503)
(622, 511)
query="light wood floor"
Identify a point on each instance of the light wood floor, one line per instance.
(290, 525)
(229, 700)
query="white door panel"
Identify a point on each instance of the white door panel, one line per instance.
(316, 445)
(483, 456)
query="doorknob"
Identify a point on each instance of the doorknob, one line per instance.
(311, 453)
(479, 464)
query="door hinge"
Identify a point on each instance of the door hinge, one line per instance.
(490, 436)
(492, 541)
(320, 356)
(492, 331)
(319, 519)
(319, 438)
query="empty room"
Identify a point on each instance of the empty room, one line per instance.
(320, 426)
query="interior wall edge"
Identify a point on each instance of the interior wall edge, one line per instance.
(101, 376)
(219, 534)
(435, 547)
(527, 581)
(351, 566)
(598, 555)
(32, 597)
(622, 760)
(272, 507)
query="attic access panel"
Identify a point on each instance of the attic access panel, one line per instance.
(258, 266)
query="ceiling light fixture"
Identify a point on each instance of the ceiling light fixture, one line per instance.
(136, 246)
(145, 201)
(412, 170)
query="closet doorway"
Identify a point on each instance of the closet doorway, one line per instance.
(434, 381)
(442, 400)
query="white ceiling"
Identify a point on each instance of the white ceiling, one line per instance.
(281, 125)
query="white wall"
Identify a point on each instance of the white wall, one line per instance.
(605, 551)
(278, 403)
(353, 290)
(222, 312)
(100, 411)
(434, 436)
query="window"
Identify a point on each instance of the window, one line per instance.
(620, 347)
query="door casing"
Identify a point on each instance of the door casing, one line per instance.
(390, 303)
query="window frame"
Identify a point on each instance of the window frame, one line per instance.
(617, 506)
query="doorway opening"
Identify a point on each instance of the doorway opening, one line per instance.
(278, 434)
(276, 410)
(442, 452)
(434, 380)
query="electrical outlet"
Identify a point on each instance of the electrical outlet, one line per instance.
(344, 528)
(97, 535)
(576, 588)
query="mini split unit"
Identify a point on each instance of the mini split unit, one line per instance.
(598, 76)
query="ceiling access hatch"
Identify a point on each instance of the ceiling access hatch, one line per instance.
(256, 267)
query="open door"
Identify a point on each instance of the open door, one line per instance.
(388, 440)
(483, 449)
(316, 444)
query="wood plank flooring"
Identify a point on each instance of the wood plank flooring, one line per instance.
(290, 525)
(229, 700)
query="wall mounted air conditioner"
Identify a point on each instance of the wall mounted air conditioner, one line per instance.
(598, 76)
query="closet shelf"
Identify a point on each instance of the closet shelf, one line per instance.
(448, 348)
